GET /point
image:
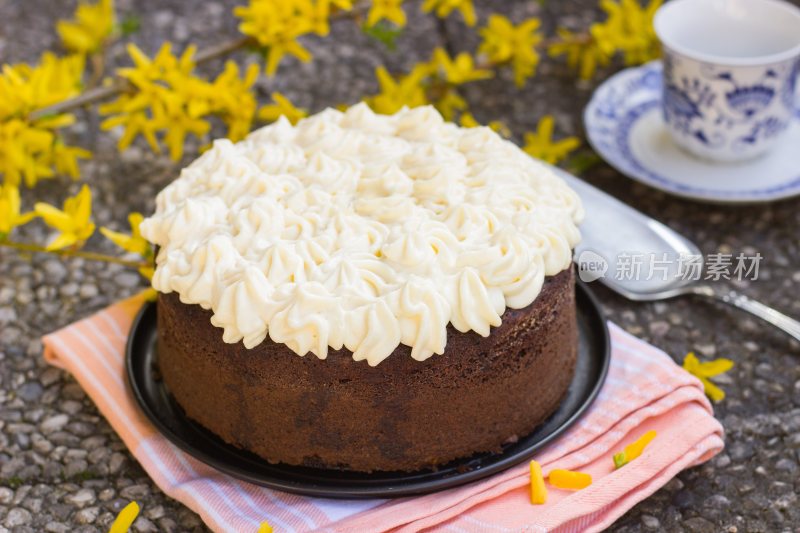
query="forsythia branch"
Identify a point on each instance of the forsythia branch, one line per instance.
(68, 252)
(120, 85)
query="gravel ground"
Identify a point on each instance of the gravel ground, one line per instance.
(62, 468)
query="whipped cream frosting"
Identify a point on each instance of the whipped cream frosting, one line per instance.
(362, 231)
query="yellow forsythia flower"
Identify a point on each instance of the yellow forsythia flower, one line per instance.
(87, 33)
(24, 152)
(459, 70)
(505, 43)
(233, 99)
(125, 518)
(395, 93)
(31, 150)
(25, 88)
(582, 52)
(540, 144)
(172, 102)
(10, 215)
(445, 7)
(134, 242)
(282, 107)
(265, 527)
(628, 29)
(390, 10)
(704, 371)
(74, 221)
(178, 121)
(277, 24)
(449, 102)
(467, 120)
(65, 158)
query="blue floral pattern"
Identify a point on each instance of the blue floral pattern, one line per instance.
(709, 107)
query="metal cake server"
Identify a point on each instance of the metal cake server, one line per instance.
(613, 232)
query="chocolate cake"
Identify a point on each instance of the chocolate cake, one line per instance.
(366, 292)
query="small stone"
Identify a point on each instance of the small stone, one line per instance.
(162, 19)
(17, 517)
(50, 376)
(7, 315)
(154, 513)
(88, 291)
(23, 440)
(62, 438)
(12, 467)
(30, 391)
(71, 455)
(68, 289)
(143, 525)
(93, 442)
(135, 492)
(722, 461)
(699, 524)
(54, 423)
(87, 516)
(650, 522)
(659, 328)
(22, 493)
(180, 30)
(787, 501)
(99, 455)
(81, 429)
(54, 270)
(127, 279)
(76, 468)
(188, 520)
(81, 498)
(167, 525)
(740, 451)
(34, 505)
(786, 465)
(106, 494)
(57, 527)
(6, 495)
(717, 501)
(706, 349)
(765, 371)
(116, 463)
(71, 407)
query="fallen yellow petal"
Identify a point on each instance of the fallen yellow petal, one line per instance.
(125, 518)
(567, 479)
(703, 371)
(634, 449)
(712, 391)
(265, 527)
(538, 490)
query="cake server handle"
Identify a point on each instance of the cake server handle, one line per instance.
(785, 323)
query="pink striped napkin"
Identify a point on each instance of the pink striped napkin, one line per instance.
(644, 390)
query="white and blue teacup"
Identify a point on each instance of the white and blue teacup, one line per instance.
(730, 72)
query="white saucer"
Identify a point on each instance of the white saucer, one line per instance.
(624, 125)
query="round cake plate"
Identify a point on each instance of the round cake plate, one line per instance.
(160, 407)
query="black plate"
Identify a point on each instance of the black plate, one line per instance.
(159, 406)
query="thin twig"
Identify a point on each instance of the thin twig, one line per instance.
(93, 256)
